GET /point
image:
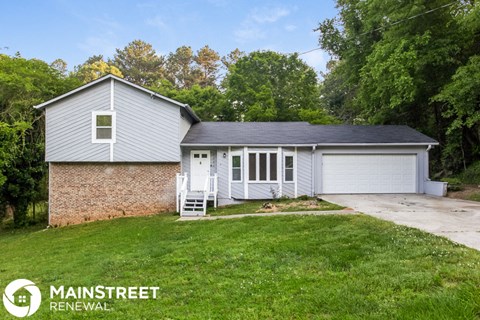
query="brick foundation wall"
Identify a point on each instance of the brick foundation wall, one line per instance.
(81, 192)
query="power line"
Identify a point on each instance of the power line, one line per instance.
(410, 18)
(391, 24)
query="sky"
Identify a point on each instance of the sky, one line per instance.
(75, 30)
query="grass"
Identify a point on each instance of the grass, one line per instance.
(283, 267)
(280, 205)
(474, 197)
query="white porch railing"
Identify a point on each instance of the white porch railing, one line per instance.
(210, 189)
(182, 190)
(213, 190)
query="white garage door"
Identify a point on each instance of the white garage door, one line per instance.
(369, 173)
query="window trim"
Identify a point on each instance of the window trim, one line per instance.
(284, 167)
(94, 126)
(257, 164)
(236, 154)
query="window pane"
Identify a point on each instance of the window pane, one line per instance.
(263, 166)
(104, 120)
(273, 166)
(204, 156)
(236, 162)
(196, 155)
(236, 174)
(252, 166)
(104, 133)
(289, 162)
(288, 174)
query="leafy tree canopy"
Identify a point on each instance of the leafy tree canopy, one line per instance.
(139, 63)
(394, 58)
(269, 86)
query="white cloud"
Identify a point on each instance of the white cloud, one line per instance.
(290, 27)
(249, 33)
(255, 24)
(218, 3)
(268, 15)
(157, 22)
(101, 44)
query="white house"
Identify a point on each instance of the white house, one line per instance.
(115, 148)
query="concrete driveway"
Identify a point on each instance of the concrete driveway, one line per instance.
(458, 220)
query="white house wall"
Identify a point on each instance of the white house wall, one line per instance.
(222, 172)
(262, 190)
(69, 126)
(185, 124)
(419, 151)
(304, 171)
(147, 128)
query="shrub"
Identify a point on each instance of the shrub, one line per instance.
(304, 197)
(472, 174)
(454, 184)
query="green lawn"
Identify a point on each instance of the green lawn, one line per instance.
(280, 205)
(474, 197)
(283, 267)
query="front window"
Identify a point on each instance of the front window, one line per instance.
(288, 168)
(262, 166)
(103, 126)
(236, 168)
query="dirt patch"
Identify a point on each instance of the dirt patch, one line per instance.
(300, 204)
(465, 194)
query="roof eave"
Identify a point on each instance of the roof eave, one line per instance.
(111, 76)
(246, 145)
(306, 145)
(377, 144)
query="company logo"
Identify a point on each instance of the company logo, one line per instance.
(24, 286)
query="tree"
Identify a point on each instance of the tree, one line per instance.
(392, 58)
(208, 62)
(462, 99)
(139, 63)
(23, 84)
(88, 72)
(60, 65)
(207, 102)
(232, 58)
(269, 86)
(180, 68)
(26, 83)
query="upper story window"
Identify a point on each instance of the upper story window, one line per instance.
(103, 126)
(262, 166)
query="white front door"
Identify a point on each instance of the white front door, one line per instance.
(200, 169)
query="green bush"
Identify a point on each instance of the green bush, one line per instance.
(472, 174)
(454, 184)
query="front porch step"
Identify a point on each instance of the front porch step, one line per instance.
(195, 195)
(194, 204)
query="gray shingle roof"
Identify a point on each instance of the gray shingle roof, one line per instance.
(299, 133)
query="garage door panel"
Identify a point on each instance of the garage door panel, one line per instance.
(379, 173)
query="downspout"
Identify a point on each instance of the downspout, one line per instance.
(426, 166)
(314, 148)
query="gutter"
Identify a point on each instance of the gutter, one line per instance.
(307, 145)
